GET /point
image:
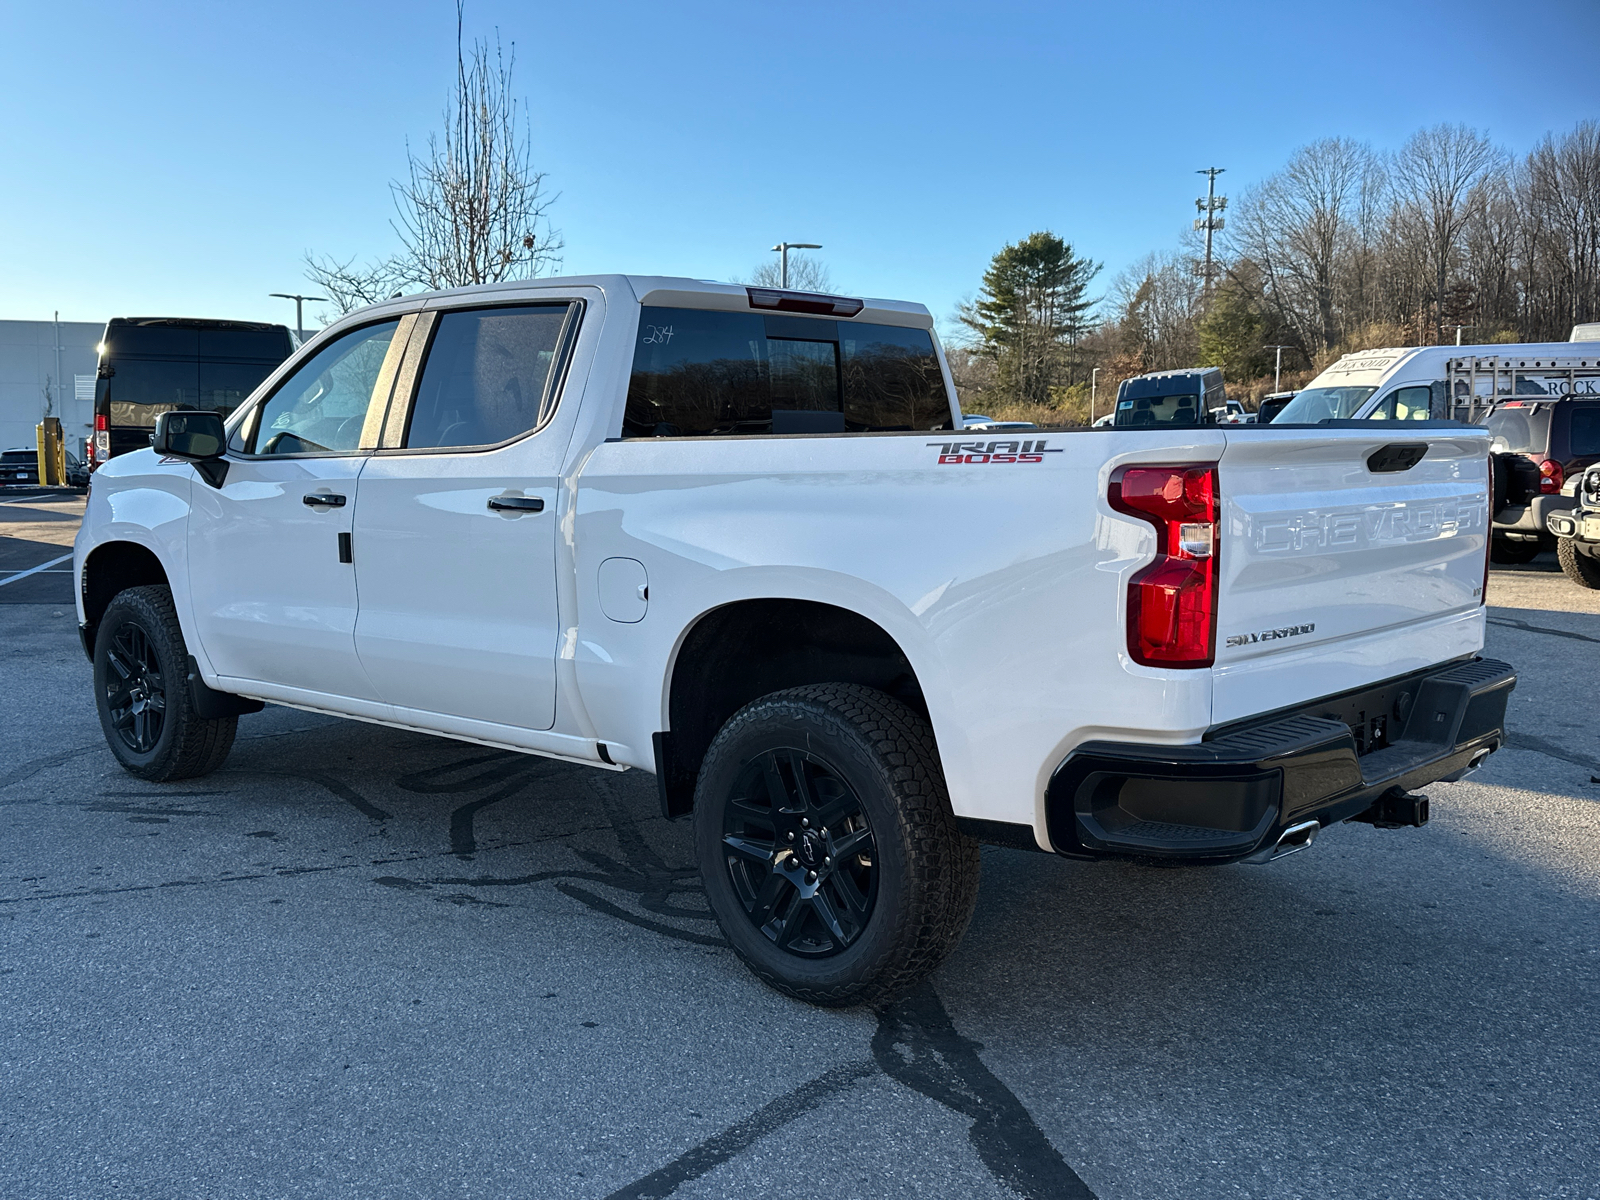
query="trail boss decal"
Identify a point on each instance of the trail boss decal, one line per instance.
(1269, 635)
(979, 453)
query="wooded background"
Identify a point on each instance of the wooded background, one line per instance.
(1344, 248)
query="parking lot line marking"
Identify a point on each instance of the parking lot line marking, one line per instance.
(54, 562)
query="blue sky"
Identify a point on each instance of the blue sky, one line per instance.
(178, 158)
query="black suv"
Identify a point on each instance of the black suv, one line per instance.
(1538, 445)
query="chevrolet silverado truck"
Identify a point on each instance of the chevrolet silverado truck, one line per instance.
(740, 538)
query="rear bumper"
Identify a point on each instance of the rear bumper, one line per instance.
(1235, 793)
(1531, 517)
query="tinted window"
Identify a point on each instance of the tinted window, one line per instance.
(225, 386)
(1523, 430)
(263, 345)
(702, 372)
(136, 391)
(19, 458)
(153, 341)
(1585, 434)
(891, 378)
(323, 405)
(487, 376)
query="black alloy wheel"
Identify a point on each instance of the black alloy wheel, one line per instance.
(136, 689)
(830, 856)
(800, 853)
(141, 690)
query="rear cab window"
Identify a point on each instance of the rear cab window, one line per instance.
(706, 372)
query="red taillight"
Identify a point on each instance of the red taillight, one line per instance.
(99, 447)
(1551, 476)
(1172, 603)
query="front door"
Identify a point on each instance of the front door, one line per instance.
(270, 571)
(455, 533)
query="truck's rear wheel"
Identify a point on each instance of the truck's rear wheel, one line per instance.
(1579, 565)
(827, 846)
(141, 666)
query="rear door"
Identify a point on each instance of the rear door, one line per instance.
(1347, 556)
(455, 533)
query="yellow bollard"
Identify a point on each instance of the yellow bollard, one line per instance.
(52, 453)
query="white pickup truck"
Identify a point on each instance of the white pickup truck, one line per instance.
(738, 538)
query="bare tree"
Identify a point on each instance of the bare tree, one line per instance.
(473, 208)
(806, 274)
(1438, 177)
(1308, 230)
(350, 286)
(1562, 182)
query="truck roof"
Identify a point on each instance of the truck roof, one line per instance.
(669, 291)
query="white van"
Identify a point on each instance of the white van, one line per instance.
(1416, 383)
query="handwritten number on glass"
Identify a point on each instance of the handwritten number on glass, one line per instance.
(657, 335)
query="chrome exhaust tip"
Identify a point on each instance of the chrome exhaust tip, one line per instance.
(1291, 841)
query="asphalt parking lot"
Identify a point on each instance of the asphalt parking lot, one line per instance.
(362, 962)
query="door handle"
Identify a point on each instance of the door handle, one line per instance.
(323, 500)
(516, 504)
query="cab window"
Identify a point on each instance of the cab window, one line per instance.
(701, 371)
(322, 407)
(489, 376)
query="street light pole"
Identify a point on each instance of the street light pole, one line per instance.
(1094, 378)
(299, 311)
(1277, 370)
(782, 250)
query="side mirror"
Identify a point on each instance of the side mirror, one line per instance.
(195, 437)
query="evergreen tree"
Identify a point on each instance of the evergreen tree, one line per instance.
(1031, 313)
(1232, 333)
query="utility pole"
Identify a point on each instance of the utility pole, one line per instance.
(782, 250)
(1277, 369)
(299, 310)
(1208, 220)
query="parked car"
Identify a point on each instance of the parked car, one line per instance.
(19, 465)
(1271, 405)
(1577, 531)
(77, 471)
(740, 539)
(1170, 398)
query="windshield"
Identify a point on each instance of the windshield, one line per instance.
(1521, 430)
(1324, 404)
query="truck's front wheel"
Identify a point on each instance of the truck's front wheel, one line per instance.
(1579, 564)
(827, 846)
(140, 687)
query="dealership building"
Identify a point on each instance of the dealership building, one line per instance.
(47, 366)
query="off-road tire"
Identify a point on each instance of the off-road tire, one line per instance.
(1579, 566)
(1506, 552)
(927, 881)
(187, 745)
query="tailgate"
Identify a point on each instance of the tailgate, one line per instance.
(1342, 565)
